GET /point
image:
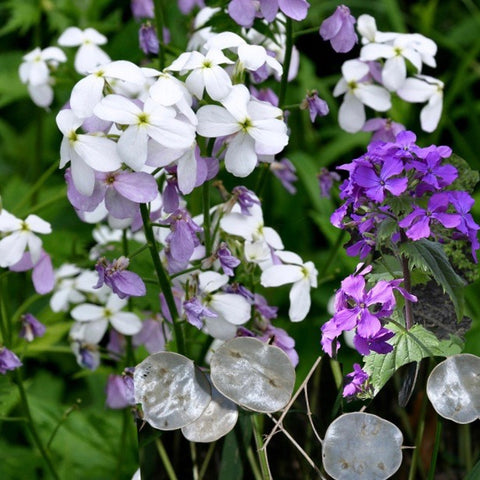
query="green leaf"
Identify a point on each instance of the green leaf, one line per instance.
(408, 346)
(23, 16)
(475, 472)
(430, 257)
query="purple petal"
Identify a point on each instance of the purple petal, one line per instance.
(296, 9)
(243, 12)
(139, 187)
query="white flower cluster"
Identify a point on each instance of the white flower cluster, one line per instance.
(382, 69)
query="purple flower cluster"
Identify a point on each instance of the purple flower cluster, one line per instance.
(365, 310)
(394, 171)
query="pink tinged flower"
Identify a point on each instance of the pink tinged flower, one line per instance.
(227, 261)
(94, 319)
(86, 153)
(302, 276)
(18, 236)
(356, 381)
(148, 40)
(153, 121)
(377, 184)
(120, 390)
(142, 9)
(43, 277)
(338, 28)
(420, 89)
(206, 73)
(8, 360)
(244, 12)
(89, 55)
(31, 328)
(254, 128)
(359, 91)
(122, 282)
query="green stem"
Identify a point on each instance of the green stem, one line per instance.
(159, 23)
(193, 454)
(416, 465)
(207, 459)
(306, 31)
(206, 218)
(162, 279)
(138, 251)
(286, 63)
(465, 447)
(257, 423)
(123, 442)
(436, 447)
(23, 307)
(50, 201)
(31, 426)
(61, 422)
(166, 461)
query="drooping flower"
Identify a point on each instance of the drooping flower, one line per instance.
(315, 104)
(196, 312)
(31, 328)
(148, 40)
(8, 360)
(338, 28)
(355, 381)
(120, 390)
(285, 170)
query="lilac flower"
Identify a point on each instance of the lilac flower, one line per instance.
(261, 306)
(377, 342)
(142, 9)
(280, 338)
(170, 196)
(338, 28)
(432, 174)
(243, 12)
(153, 335)
(120, 390)
(356, 381)
(245, 198)
(116, 344)
(121, 281)
(227, 261)
(284, 170)
(418, 222)
(315, 105)
(31, 328)
(8, 360)
(148, 40)
(265, 94)
(384, 129)
(325, 181)
(43, 277)
(195, 312)
(377, 184)
(87, 355)
(186, 6)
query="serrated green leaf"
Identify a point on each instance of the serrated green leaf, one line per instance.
(408, 346)
(430, 257)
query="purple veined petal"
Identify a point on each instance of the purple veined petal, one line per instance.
(419, 229)
(368, 325)
(354, 286)
(331, 26)
(346, 319)
(129, 283)
(396, 186)
(139, 187)
(296, 9)
(118, 206)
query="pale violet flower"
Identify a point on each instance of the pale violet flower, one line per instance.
(35, 73)
(153, 121)
(94, 319)
(359, 91)
(253, 128)
(86, 153)
(205, 73)
(19, 236)
(423, 88)
(302, 276)
(89, 55)
(232, 309)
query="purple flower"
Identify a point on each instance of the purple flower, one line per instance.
(31, 328)
(8, 360)
(243, 12)
(295, 9)
(245, 198)
(87, 355)
(148, 40)
(281, 339)
(170, 195)
(384, 129)
(43, 277)
(153, 335)
(377, 343)
(325, 181)
(418, 222)
(142, 9)
(315, 105)
(355, 381)
(284, 170)
(338, 28)
(116, 344)
(186, 6)
(227, 261)
(261, 306)
(377, 184)
(195, 311)
(120, 390)
(121, 281)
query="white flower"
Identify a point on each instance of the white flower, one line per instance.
(254, 128)
(232, 309)
(153, 121)
(421, 89)
(358, 91)
(85, 153)
(95, 319)
(303, 276)
(206, 73)
(20, 236)
(89, 55)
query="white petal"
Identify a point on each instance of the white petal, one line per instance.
(83, 176)
(53, 53)
(225, 40)
(353, 70)
(71, 37)
(236, 102)
(215, 121)
(252, 56)
(195, 83)
(94, 36)
(89, 57)
(299, 300)
(219, 328)
(289, 257)
(34, 246)
(367, 27)
(115, 303)
(41, 95)
(232, 307)
(89, 332)
(36, 224)
(278, 275)
(173, 133)
(187, 171)
(86, 94)
(240, 158)
(67, 121)
(351, 115)
(240, 225)
(210, 281)
(217, 82)
(373, 51)
(272, 238)
(99, 153)
(374, 97)
(416, 90)
(12, 248)
(431, 113)
(394, 73)
(132, 147)
(126, 323)
(116, 108)
(87, 312)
